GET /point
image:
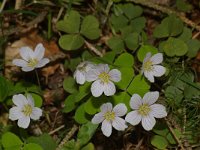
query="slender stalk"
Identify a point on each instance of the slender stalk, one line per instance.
(38, 80)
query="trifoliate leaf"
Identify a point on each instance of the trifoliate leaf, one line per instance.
(159, 142)
(122, 97)
(144, 49)
(174, 47)
(118, 22)
(170, 137)
(69, 85)
(138, 86)
(194, 46)
(132, 41)
(170, 26)
(132, 11)
(71, 41)
(116, 44)
(124, 60)
(90, 27)
(5, 87)
(80, 115)
(32, 146)
(71, 23)
(186, 34)
(138, 24)
(183, 5)
(37, 99)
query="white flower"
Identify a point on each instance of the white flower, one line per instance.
(145, 110)
(24, 110)
(31, 59)
(111, 117)
(81, 71)
(103, 77)
(150, 66)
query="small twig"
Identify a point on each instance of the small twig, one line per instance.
(174, 135)
(3, 5)
(93, 49)
(196, 35)
(56, 130)
(139, 144)
(67, 137)
(32, 24)
(59, 14)
(18, 4)
(166, 10)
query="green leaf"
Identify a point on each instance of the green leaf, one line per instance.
(37, 99)
(186, 34)
(70, 85)
(32, 146)
(44, 140)
(89, 146)
(132, 11)
(124, 60)
(174, 47)
(170, 137)
(122, 97)
(116, 44)
(71, 22)
(183, 5)
(194, 46)
(90, 27)
(5, 87)
(118, 22)
(138, 24)
(70, 103)
(161, 129)
(108, 58)
(170, 26)
(11, 142)
(72, 63)
(144, 49)
(71, 145)
(127, 74)
(132, 41)
(86, 132)
(71, 41)
(159, 142)
(80, 115)
(138, 86)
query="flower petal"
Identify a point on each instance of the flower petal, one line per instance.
(97, 88)
(150, 97)
(106, 128)
(27, 69)
(42, 62)
(106, 107)
(24, 122)
(103, 68)
(109, 89)
(30, 100)
(149, 76)
(148, 122)
(120, 110)
(136, 101)
(98, 118)
(115, 75)
(92, 75)
(36, 113)
(133, 117)
(39, 51)
(147, 57)
(15, 113)
(79, 76)
(157, 58)
(19, 62)
(19, 100)
(119, 124)
(158, 71)
(26, 53)
(158, 111)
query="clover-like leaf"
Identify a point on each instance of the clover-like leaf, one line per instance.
(71, 41)
(144, 49)
(118, 22)
(194, 46)
(71, 22)
(69, 85)
(170, 26)
(116, 44)
(124, 60)
(132, 41)
(90, 27)
(32, 146)
(132, 11)
(122, 97)
(186, 34)
(159, 142)
(138, 24)
(81, 116)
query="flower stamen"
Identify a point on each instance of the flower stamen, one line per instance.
(104, 77)
(32, 63)
(27, 110)
(109, 116)
(148, 66)
(144, 110)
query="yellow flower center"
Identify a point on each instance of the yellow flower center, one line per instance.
(27, 110)
(32, 63)
(148, 66)
(104, 77)
(144, 110)
(109, 116)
